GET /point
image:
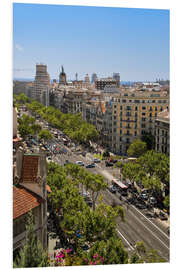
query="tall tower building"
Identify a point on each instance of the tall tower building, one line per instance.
(93, 77)
(76, 76)
(41, 82)
(86, 79)
(116, 77)
(62, 77)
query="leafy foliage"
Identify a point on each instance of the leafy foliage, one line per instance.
(32, 254)
(137, 148)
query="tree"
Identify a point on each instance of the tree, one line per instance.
(137, 148)
(36, 129)
(32, 254)
(109, 251)
(167, 201)
(149, 139)
(131, 171)
(45, 135)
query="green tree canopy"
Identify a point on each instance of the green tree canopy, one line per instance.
(45, 135)
(137, 148)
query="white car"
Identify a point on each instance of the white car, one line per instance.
(80, 163)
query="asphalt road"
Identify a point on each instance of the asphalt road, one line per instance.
(137, 227)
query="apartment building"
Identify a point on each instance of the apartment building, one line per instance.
(130, 115)
(162, 132)
(29, 194)
(101, 83)
(125, 116)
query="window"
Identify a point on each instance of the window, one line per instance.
(143, 119)
(135, 126)
(136, 101)
(161, 109)
(150, 115)
(143, 101)
(114, 117)
(135, 113)
(159, 101)
(156, 109)
(120, 107)
(143, 125)
(143, 132)
(120, 139)
(155, 114)
(128, 114)
(114, 112)
(153, 101)
(114, 129)
(120, 131)
(150, 108)
(135, 133)
(128, 107)
(127, 140)
(143, 113)
(114, 123)
(121, 113)
(121, 125)
(124, 101)
(114, 106)
(143, 108)
(136, 108)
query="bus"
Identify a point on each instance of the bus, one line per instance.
(122, 188)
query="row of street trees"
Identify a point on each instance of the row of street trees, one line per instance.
(27, 126)
(151, 169)
(71, 124)
(97, 226)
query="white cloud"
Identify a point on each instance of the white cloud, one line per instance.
(19, 47)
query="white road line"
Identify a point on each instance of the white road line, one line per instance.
(149, 230)
(151, 222)
(125, 239)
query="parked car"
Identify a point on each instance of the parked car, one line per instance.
(144, 196)
(108, 164)
(80, 163)
(91, 165)
(153, 201)
(96, 160)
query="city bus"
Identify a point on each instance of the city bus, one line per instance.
(121, 188)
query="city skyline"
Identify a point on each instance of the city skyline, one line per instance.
(133, 42)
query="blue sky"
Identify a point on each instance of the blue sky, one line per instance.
(133, 42)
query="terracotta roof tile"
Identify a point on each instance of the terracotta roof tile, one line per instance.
(24, 201)
(30, 168)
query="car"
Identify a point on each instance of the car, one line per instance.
(153, 200)
(144, 196)
(108, 164)
(141, 206)
(112, 189)
(96, 160)
(80, 163)
(91, 165)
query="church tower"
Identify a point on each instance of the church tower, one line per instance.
(62, 77)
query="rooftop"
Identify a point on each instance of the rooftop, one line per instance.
(24, 201)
